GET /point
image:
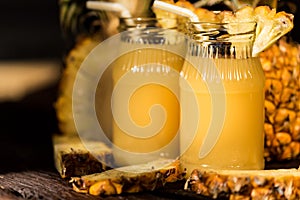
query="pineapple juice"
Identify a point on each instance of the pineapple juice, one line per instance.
(145, 105)
(228, 135)
(145, 98)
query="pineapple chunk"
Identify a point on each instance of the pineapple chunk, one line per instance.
(72, 158)
(270, 27)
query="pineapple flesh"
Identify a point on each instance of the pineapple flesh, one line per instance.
(130, 179)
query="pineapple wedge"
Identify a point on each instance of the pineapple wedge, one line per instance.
(72, 158)
(270, 27)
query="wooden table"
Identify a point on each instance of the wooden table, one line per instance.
(46, 184)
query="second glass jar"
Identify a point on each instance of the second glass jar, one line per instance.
(222, 99)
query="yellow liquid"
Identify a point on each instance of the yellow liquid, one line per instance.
(145, 106)
(239, 143)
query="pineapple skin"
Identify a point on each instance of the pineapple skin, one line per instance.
(260, 184)
(63, 103)
(281, 64)
(130, 179)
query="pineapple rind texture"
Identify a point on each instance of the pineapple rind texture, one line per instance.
(130, 179)
(281, 64)
(239, 184)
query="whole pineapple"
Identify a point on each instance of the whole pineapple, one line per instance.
(281, 64)
(73, 61)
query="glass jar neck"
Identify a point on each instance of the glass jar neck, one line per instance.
(141, 23)
(148, 31)
(221, 40)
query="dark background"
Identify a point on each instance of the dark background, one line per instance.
(30, 30)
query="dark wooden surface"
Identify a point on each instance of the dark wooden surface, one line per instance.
(48, 185)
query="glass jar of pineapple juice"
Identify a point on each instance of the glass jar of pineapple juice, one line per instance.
(145, 102)
(222, 99)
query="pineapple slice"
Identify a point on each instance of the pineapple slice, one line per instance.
(130, 179)
(239, 184)
(270, 27)
(72, 158)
